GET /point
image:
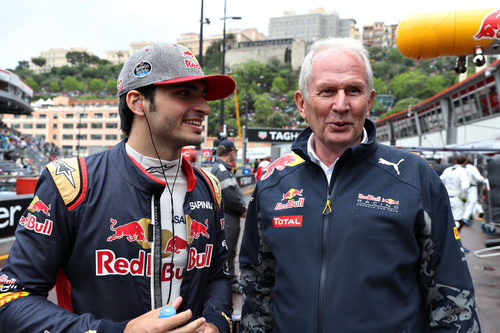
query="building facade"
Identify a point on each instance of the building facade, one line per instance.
(56, 57)
(309, 27)
(120, 56)
(379, 35)
(191, 40)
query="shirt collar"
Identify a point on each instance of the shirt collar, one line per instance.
(314, 157)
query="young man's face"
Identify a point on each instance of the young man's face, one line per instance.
(178, 114)
(338, 100)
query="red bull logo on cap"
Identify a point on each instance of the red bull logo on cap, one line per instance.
(38, 206)
(281, 163)
(490, 27)
(192, 62)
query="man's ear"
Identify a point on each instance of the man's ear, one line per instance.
(135, 102)
(299, 101)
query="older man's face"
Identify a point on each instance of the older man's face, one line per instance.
(338, 100)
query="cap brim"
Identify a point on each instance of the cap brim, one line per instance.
(218, 86)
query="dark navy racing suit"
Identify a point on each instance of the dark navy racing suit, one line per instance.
(373, 251)
(94, 225)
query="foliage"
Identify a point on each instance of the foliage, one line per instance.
(39, 61)
(265, 90)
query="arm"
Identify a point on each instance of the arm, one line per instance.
(445, 280)
(44, 239)
(257, 266)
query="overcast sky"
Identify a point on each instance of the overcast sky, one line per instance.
(32, 26)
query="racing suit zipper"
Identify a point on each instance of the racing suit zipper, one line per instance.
(324, 262)
(156, 297)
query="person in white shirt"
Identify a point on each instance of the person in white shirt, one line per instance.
(456, 181)
(472, 206)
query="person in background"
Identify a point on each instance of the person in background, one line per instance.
(345, 234)
(126, 231)
(472, 207)
(233, 202)
(456, 181)
(262, 167)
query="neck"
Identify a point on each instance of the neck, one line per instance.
(142, 144)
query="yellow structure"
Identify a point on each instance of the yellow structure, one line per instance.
(451, 33)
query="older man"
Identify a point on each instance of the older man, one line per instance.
(345, 234)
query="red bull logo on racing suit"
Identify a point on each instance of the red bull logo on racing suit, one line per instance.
(291, 203)
(132, 231)
(490, 27)
(37, 206)
(281, 163)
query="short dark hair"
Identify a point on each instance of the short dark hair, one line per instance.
(126, 115)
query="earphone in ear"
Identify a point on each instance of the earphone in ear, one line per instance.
(138, 104)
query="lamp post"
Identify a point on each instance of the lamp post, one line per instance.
(202, 22)
(223, 66)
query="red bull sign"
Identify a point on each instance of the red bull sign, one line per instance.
(490, 27)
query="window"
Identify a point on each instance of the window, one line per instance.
(96, 137)
(54, 136)
(43, 116)
(70, 115)
(40, 126)
(67, 137)
(111, 137)
(54, 126)
(16, 126)
(96, 125)
(111, 125)
(81, 136)
(25, 126)
(68, 125)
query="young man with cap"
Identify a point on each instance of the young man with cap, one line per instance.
(234, 204)
(131, 229)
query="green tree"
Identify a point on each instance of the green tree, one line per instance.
(96, 85)
(32, 83)
(111, 86)
(278, 85)
(54, 86)
(380, 86)
(39, 61)
(70, 83)
(410, 83)
(403, 104)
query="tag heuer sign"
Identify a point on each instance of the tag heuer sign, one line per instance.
(272, 134)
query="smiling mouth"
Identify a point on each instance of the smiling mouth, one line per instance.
(194, 122)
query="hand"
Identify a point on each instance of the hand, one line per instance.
(151, 322)
(208, 328)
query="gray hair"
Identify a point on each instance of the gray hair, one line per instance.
(348, 44)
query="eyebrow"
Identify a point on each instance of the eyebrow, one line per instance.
(190, 85)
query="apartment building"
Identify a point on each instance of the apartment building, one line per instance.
(120, 56)
(315, 25)
(191, 40)
(379, 35)
(56, 57)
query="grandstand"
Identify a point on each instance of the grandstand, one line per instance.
(20, 155)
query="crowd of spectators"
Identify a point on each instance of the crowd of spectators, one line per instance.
(22, 155)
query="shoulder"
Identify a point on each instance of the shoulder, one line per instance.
(71, 179)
